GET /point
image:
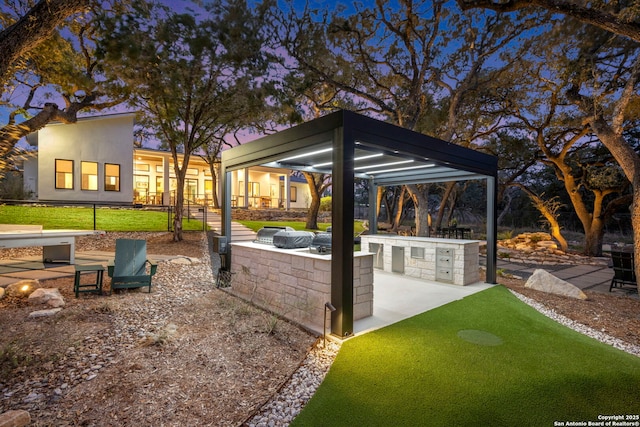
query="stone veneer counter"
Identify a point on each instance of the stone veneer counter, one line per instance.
(295, 283)
(441, 260)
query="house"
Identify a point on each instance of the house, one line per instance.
(95, 161)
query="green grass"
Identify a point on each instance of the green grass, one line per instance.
(527, 371)
(82, 218)
(296, 225)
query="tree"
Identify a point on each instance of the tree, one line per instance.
(34, 27)
(49, 68)
(193, 78)
(389, 61)
(606, 95)
(318, 183)
(616, 17)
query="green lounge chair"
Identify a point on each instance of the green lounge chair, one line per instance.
(131, 268)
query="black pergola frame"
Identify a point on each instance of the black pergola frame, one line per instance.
(332, 142)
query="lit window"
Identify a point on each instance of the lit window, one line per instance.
(254, 189)
(111, 177)
(64, 174)
(293, 194)
(89, 176)
(142, 167)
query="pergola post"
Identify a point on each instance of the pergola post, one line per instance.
(492, 226)
(373, 207)
(342, 233)
(226, 212)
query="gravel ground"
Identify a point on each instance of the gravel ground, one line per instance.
(185, 355)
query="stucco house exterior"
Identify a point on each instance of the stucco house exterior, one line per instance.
(95, 161)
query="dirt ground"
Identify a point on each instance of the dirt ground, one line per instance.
(211, 359)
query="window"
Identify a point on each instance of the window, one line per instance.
(142, 167)
(64, 174)
(159, 185)
(141, 182)
(208, 186)
(293, 196)
(140, 188)
(159, 169)
(254, 189)
(192, 171)
(111, 177)
(191, 189)
(89, 176)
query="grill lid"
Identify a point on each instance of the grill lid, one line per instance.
(265, 234)
(292, 239)
(321, 243)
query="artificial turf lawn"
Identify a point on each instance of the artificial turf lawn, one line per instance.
(528, 371)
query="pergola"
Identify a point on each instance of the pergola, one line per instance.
(348, 145)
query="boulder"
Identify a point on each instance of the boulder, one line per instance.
(48, 296)
(1, 292)
(23, 288)
(544, 281)
(15, 418)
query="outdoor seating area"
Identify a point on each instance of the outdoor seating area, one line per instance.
(454, 233)
(128, 268)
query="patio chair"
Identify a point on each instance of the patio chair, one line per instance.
(130, 268)
(623, 270)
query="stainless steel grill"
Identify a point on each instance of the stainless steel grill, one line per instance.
(321, 244)
(265, 234)
(292, 239)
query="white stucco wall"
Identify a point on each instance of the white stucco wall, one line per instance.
(30, 176)
(107, 139)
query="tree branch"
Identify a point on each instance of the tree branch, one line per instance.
(590, 15)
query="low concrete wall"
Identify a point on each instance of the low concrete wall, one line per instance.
(296, 284)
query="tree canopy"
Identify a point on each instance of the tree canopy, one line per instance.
(194, 78)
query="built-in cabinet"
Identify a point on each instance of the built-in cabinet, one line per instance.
(441, 260)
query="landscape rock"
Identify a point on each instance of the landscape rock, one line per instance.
(44, 313)
(23, 288)
(1, 293)
(49, 296)
(15, 418)
(544, 281)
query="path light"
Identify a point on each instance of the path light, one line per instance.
(327, 305)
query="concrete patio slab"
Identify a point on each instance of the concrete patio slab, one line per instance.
(397, 297)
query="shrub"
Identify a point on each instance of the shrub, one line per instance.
(325, 204)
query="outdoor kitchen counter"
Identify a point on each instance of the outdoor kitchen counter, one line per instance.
(296, 283)
(453, 261)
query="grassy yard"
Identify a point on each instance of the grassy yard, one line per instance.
(487, 360)
(82, 218)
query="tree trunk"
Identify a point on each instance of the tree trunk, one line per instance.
(506, 209)
(33, 28)
(548, 211)
(421, 202)
(214, 187)
(178, 211)
(314, 207)
(179, 206)
(379, 197)
(399, 206)
(445, 196)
